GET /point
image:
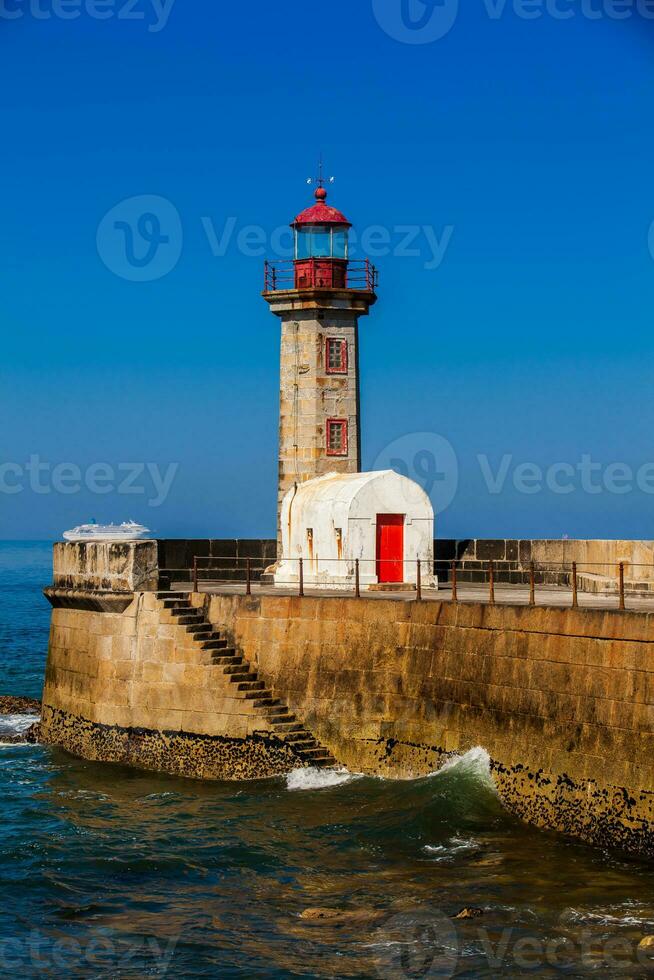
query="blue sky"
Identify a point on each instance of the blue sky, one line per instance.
(525, 146)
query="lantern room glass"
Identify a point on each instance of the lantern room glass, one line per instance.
(321, 242)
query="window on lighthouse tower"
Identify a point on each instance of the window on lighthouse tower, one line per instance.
(337, 437)
(336, 356)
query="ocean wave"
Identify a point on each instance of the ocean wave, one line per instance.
(14, 727)
(474, 765)
(303, 779)
(16, 724)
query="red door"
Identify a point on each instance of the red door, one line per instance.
(390, 547)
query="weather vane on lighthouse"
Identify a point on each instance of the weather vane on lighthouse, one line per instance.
(320, 180)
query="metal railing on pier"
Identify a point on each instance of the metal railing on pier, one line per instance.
(575, 584)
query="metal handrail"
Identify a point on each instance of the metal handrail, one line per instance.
(570, 570)
(280, 276)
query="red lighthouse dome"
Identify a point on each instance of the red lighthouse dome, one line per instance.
(321, 213)
(321, 246)
(321, 258)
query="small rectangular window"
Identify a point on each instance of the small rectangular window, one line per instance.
(337, 437)
(336, 356)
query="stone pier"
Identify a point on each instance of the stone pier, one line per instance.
(240, 687)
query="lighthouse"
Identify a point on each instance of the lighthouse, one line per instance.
(319, 297)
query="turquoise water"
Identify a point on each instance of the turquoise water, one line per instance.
(107, 872)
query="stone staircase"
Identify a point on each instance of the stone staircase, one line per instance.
(245, 679)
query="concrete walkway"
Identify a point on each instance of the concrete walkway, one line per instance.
(511, 595)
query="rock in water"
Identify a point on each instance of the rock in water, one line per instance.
(469, 913)
(341, 916)
(18, 706)
(33, 733)
(317, 914)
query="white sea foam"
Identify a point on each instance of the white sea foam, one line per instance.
(475, 763)
(455, 847)
(612, 916)
(16, 724)
(318, 778)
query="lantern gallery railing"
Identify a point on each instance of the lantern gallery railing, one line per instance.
(319, 273)
(569, 584)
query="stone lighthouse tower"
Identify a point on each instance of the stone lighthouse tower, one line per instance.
(319, 297)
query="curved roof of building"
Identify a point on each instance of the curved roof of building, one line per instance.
(321, 213)
(354, 494)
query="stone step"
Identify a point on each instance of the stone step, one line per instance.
(225, 657)
(279, 714)
(251, 686)
(244, 676)
(302, 742)
(213, 644)
(210, 643)
(291, 727)
(318, 753)
(284, 719)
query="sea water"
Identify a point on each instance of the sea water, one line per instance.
(107, 872)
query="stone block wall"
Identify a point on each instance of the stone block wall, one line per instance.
(561, 699)
(553, 559)
(103, 566)
(136, 688)
(227, 556)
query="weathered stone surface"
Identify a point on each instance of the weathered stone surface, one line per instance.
(100, 565)
(561, 699)
(512, 558)
(144, 672)
(178, 753)
(10, 705)
(309, 395)
(88, 599)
